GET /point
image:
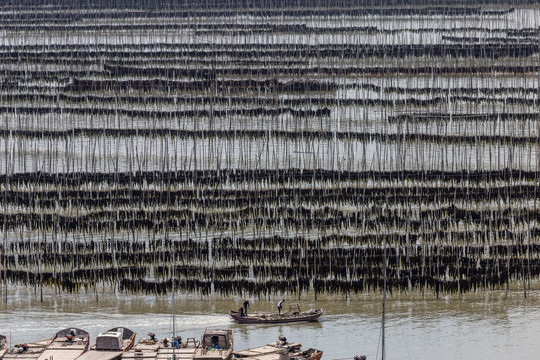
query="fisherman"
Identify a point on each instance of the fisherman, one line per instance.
(176, 342)
(71, 336)
(246, 305)
(279, 306)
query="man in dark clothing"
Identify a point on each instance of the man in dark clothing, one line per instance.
(246, 305)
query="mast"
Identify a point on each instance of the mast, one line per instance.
(173, 308)
(384, 298)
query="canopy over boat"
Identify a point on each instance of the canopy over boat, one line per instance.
(110, 340)
(115, 339)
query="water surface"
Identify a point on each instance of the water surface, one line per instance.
(491, 325)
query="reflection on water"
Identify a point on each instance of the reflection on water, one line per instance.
(475, 327)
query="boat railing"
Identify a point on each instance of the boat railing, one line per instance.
(294, 309)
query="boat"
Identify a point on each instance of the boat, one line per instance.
(216, 344)
(293, 315)
(177, 349)
(127, 340)
(67, 344)
(145, 348)
(152, 349)
(110, 345)
(269, 351)
(309, 354)
(28, 351)
(279, 350)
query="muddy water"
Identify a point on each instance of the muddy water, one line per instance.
(489, 325)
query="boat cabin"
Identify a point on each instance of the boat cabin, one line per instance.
(217, 339)
(110, 340)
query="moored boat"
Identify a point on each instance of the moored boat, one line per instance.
(279, 350)
(110, 345)
(178, 349)
(309, 354)
(28, 351)
(269, 351)
(67, 344)
(145, 348)
(153, 349)
(274, 318)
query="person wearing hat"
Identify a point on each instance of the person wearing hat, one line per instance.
(245, 305)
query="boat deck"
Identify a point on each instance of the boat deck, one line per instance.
(62, 349)
(100, 355)
(142, 350)
(266, 352)
(179, 353)
(33, 351)
(157, 351)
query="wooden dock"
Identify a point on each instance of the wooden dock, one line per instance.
(146, 350)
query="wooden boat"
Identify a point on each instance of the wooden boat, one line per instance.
(293, 315)
(110, 345)
(215, 345)
(67, 344)
(279, 350)
(28, 351)
(269, 351)
(309, 354)
(183, 351)
(146, 348)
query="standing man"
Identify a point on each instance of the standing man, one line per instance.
(279, 306)
(246, 305)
